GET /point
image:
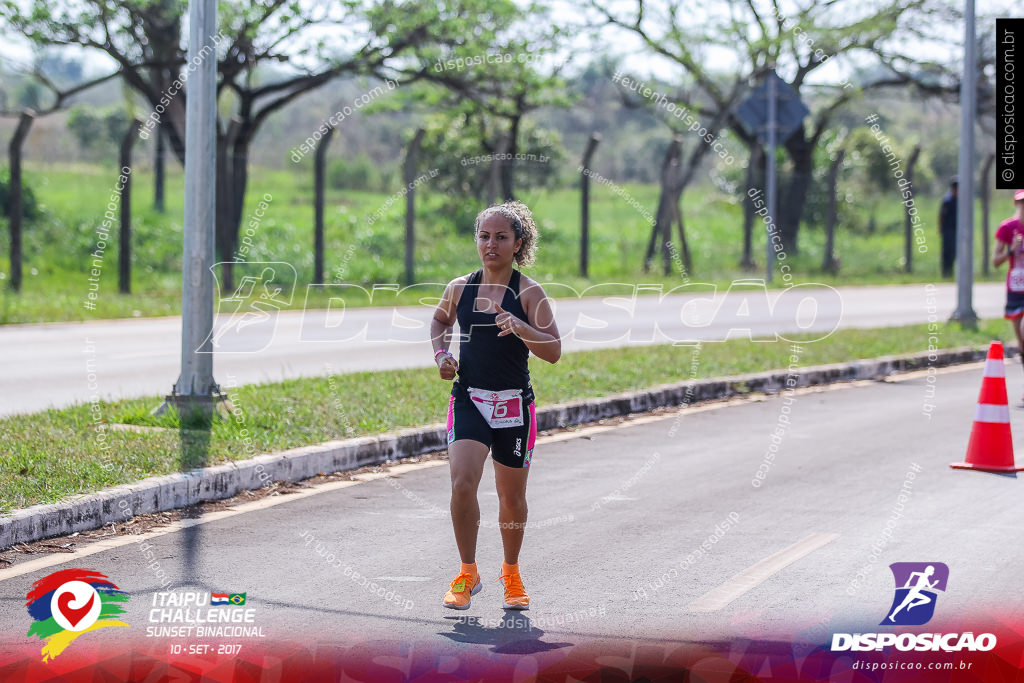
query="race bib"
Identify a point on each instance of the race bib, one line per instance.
(499, 408)
(1016, 281)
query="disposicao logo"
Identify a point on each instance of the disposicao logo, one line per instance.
(918, 585)
(69, 603)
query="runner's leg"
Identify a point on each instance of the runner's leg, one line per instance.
(918, 601)
(466, 460)
(1017, 328)
(511, 485)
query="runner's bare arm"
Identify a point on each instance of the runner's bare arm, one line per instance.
(541, 334)
(999, 255)
(441, 326)
(1002, 252)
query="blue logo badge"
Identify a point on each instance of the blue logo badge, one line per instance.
(917, 587)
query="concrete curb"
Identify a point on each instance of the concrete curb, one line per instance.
(172, 491)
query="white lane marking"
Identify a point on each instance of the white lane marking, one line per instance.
(748, 579)
(402, 578)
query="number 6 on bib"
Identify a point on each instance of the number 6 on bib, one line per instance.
(499, 408)
(1016, 279)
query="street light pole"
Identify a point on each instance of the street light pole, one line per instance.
(965, 204)
(196, 388)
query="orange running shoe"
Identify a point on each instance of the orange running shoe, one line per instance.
(515, 594)
(462, 590)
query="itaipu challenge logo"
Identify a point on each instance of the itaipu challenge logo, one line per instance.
(70, 603)
(917, 587)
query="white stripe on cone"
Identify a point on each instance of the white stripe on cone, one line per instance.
(995, 368)
(990, 413)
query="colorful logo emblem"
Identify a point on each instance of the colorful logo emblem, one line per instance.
(71, 602)
(917, 587)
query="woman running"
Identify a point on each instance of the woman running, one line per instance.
(503, 316)
(1009, 238)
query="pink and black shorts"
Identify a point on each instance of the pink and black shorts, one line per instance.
(1014, 305)
(511, 446)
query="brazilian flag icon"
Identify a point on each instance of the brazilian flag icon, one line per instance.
(237, 598)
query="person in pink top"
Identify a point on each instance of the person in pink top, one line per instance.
(1010, 245)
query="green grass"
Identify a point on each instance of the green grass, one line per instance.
(48, 456)
(57, 248)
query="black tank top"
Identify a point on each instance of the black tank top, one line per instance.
(487, 361)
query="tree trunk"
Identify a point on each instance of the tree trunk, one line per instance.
(672, 170)
(124, 254)
(159, 158)
(411, 159)
(662, 227)
(508, 170)
(318, 206)
(222, 213)
(588, 154)
(239, 182)
(791, 206)
(986, 196)
(227, 224)
(754, 178)
(908, 230)
(653, 242)
(15, 211)
(667, 218)
(684, 245)
(494, 181)
(830, 264)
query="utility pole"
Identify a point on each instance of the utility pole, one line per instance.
(196, 389)
(769, 257)
(964, 313)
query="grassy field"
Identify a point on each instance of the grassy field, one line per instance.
(48, 456)
(58, 247)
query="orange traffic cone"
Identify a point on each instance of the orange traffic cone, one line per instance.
(991, 445)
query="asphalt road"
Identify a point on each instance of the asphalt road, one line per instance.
(64, 363)
(616, 511)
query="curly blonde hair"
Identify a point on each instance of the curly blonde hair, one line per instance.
(520, 219)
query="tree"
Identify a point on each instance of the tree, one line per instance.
(797, 40)
(26, 116)
(705, 109)
(98, 130)
(461, 144)
(491, 81)
(830, 262)
(146, 40)
(124, 255)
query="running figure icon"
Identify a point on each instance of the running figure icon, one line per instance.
(247, 319)
(915, 597)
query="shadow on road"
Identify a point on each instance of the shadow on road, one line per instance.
(513, 635)
(195, 453)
